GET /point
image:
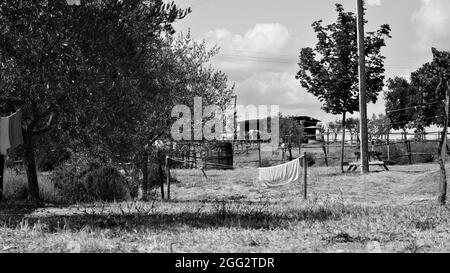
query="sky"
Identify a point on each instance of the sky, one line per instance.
(260, 41)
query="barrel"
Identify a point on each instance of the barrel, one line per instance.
(219, 156)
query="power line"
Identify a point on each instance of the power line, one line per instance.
(406, 122)
(412, 107)
(285, 59)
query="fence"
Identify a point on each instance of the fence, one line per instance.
(415, 147)
(170, 161)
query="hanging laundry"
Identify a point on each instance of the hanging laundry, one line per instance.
(10, 132)
(282, 174)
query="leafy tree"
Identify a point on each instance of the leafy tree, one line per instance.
(400, 104)
(335, 127)
(186, 76)
(290, 129)
(433, 83)
(80, 70)
(378, 126)
(330, 70)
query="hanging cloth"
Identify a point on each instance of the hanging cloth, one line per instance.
(283, 174)
(10, 132)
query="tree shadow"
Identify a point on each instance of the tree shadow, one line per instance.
(217, 218)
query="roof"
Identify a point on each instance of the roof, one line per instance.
(306, 118)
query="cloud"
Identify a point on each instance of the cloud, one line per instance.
(263, 64)
(259, 49)
(278, 88)
(432, 21)
(373, 2)
(270, 38)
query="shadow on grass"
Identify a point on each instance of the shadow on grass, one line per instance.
(20, 208)
(217, 218)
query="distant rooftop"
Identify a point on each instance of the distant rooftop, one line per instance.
(306, 118)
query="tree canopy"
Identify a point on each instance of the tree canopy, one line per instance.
(100, 76)
(330, 70)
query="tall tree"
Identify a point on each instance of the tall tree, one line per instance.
(433, 83)
(334, 127)
(400, 104)
(379, 126)
(330, 70)
(79, 69)
(424, 102)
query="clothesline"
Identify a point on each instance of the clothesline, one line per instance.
(285, 174)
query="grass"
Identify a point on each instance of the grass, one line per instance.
(16, 187)
(230, 212)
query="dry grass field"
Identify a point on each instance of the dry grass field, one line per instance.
(229, 212)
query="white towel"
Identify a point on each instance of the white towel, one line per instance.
(10, 132)
(282, 174)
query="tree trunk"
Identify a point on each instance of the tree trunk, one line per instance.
(30, 164)
(442, 199)
(344, 116)
(2, 168)
(145, 177)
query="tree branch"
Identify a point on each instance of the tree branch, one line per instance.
(47, 127)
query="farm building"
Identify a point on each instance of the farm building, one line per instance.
(246, 127)
(310, 126)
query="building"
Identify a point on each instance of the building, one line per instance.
(310, 126)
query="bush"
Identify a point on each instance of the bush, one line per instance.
(105, 184)
(265, 163)
(310, 158)
(50, 158)
(90, 183)
(425, 152)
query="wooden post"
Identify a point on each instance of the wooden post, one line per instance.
(168, 177)
(259, 152)
(2, 169)
(324, 147)
(362, 88)
(328, 141)
(291, 157)
(442, 198)
(389, 145)
(305, 177)
(161, 180)
(408, 149)
(343, 142)
(145, 176)
(195, 158)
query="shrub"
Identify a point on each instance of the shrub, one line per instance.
(310, 158)
(50, 158)
(90, 183)
(15, 187)
(265, 163)
(105, 184)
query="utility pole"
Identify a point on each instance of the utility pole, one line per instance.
(362, 89)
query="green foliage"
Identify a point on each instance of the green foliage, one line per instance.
(330, 70)
(400, 95)
(90, 183)
(378, 126)
(89, 71)
(422, 98)
(311, 159)
(105, 184)
(50, 157)
(290, 129)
